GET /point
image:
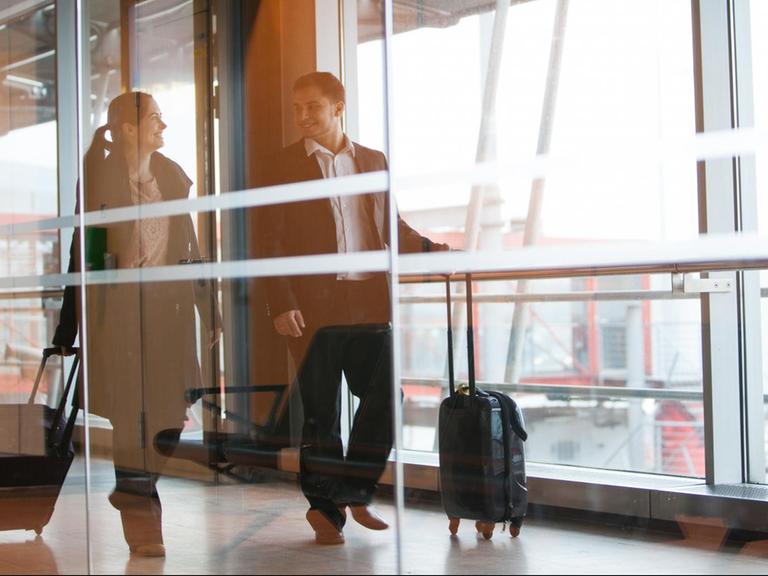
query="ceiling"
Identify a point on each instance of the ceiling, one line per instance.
(27, 64)
(412, 14)
(28, 42)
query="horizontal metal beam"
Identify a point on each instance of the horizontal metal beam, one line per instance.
(19, 295)
(585, 391)
(581, 296)
(586, 296)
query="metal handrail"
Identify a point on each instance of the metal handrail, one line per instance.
(571, 390)
(586, 390)
(615, 295)
(45, 293)
(580, 296)
(705, 254)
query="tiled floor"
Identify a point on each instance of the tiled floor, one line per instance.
(260, 528)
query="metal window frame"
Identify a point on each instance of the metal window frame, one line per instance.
(728, 203)
(228, 108)
(754, 427)
(66, 124)
(71, 51)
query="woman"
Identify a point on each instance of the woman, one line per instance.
(142, 347)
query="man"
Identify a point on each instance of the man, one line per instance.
(337, 322)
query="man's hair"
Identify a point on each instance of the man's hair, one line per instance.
(329, 85)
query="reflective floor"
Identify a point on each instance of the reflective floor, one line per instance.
(260, 528)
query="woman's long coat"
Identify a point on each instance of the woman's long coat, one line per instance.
(142, 337)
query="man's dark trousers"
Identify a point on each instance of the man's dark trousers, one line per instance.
(355, 339)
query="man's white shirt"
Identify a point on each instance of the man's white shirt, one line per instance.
(349, 212)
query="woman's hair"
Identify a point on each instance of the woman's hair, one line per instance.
(126, 108)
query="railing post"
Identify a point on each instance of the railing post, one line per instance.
(635, 354)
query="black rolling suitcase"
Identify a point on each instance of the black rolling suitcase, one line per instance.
(36, 453)
(482, 457)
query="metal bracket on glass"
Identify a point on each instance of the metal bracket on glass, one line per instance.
(678, 281)
(693, 284)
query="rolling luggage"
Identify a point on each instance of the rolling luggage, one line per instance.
(36, 453)
(482, 456)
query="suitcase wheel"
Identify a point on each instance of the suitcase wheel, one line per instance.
(453, 525)
(485, 528)
(39, 530)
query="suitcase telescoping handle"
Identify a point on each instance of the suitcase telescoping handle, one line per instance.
(47, 353)
(470, 337)
(56, 440)
(451, 383)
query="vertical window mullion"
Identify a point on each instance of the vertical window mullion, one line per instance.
(753, 427)
(727, 201)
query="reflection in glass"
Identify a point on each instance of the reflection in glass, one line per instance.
(142, 338)
(604, 382)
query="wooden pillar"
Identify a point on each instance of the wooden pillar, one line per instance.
(279, 44)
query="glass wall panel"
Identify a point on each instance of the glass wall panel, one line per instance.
(232, 285)
(150, 340)
(498, 89)
(184, 418)
(322, 323)
(516, 134)
(42, 487)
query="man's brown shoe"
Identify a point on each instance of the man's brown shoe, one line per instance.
(325, 530)
(368, 517)
(149, 550)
